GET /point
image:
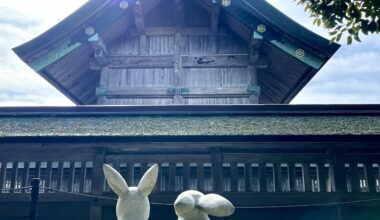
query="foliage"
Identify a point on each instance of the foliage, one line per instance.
(345, 17)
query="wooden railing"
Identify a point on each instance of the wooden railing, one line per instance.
(231, 173)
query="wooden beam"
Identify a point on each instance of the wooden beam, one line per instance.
(134, 62)
(139, 17)
(225, 60)
(137, 92)
(100, 49)
(186, 31)
(199, 92)
(215, 11)
(169, 61)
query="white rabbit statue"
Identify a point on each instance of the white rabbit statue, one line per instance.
(133, 203)
(194, 205)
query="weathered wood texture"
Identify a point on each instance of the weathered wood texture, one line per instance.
(177, 53)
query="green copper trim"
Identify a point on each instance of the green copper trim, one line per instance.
(80, 37)
(53, 55)
(184, 91)
(306, 57)
(271, 35)
(255, 90)
(257, 36)
(100, 91)
(171, 91)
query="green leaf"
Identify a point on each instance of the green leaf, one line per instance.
(332, 40)
(338, 37)
(349, 40)
(356, 37)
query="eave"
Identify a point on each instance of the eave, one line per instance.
(50, 52)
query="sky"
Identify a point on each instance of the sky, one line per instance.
(351, 76)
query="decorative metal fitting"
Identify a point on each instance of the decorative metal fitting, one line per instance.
(261, 28)
(123, 5)
(226, 3)
(300, 53)
(90, 30)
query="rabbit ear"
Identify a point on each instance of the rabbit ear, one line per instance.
(115, 180)
(184, 203)
(216, 205)
(148, 181)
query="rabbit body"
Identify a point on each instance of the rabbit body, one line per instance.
(194, 205)
(133, 202)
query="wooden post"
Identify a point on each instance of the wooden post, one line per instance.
(186, 176)
(97, 182)
(337, 163)
(34, 198)
(292, 177)
(248, 177)
(216, 159)
(263, 177)
(277, 177)
(322, 175)
(370, 177)
(306, 176)
(234, 177)
(2, 173)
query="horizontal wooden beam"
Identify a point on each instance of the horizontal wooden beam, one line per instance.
(166, 31)
(228, 60)
(168, 61)
(219, 92)
(137, 92)
(120, 62)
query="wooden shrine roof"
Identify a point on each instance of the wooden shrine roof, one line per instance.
(61, 55)
(189, 121)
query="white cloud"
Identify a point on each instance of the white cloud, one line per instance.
(21, 21)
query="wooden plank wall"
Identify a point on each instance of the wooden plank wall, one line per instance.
(177, 60)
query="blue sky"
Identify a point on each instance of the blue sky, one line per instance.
(351, 76)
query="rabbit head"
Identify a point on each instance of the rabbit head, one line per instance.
(133, 203)
(194, 205)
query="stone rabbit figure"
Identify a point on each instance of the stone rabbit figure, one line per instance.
(133, 203)
(194, 205)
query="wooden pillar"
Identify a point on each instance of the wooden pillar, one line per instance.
(186, 176)
(234, 177)
(248, 177)
(178, 68)
(292, 177)
(322, 177)
(277, 177)
(254, 53)
(2, 174)
(172, 172)
(97, 181)
(337, 163)
(25, 176)
(217, 163)
(103, 83)
(306, 176)
(200, 181)
(14, 174)
(82, 176)
(48, 173)
(371, 180)
(263, 177)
